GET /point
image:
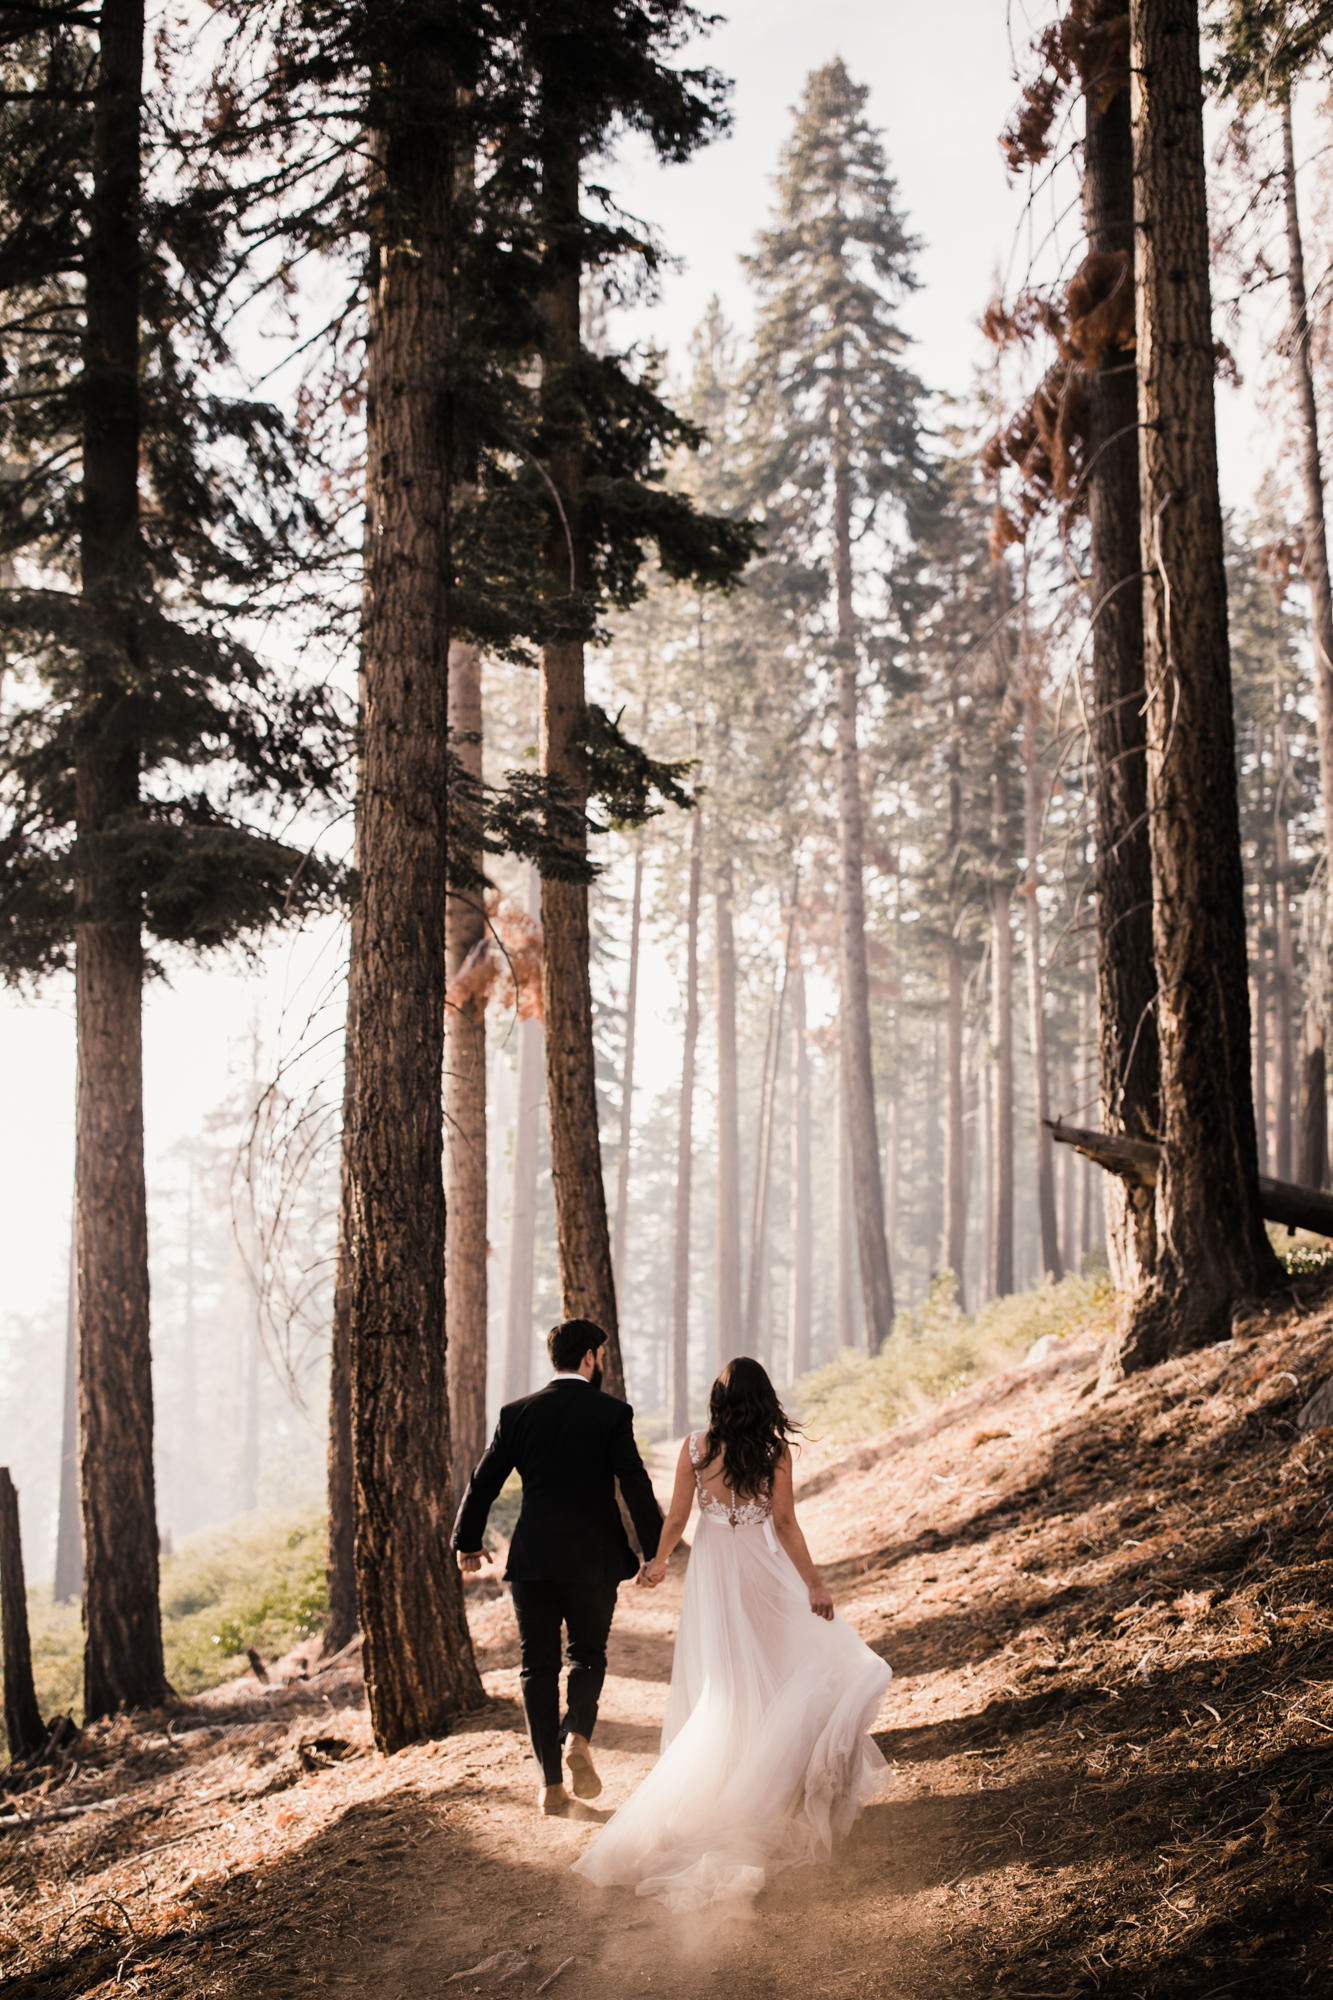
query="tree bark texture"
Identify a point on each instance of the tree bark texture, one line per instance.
(340, 1475)
(728, 1213)
(844, 1289)
(1284, 1202)
(1259, 999)
(867, 1180)
(69, 1539)
(23, 1719)
(123, 1666)
(1211, 1245)
(757, 1275)
(465, 1243)
(955, 1150)
(587, 1281)
(678, 1401)
(1126, 980)
(530, 1102)
(1048, 1230)
(420, 1672)
(802, 1188)
(1312, 1150)
(251, 1357)
(1284, 966)
(1314, 558)
(621, 1226)
(1002, 1118)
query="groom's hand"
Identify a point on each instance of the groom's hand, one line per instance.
(471, 1564)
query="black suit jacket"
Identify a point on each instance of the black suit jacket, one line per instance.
(569, 1444)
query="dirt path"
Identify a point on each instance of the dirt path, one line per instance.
(1111, 1624)
(484, 1875)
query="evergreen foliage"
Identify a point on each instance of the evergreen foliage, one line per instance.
(225, 744)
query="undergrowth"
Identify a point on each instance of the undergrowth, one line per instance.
(259, 1582)
(937, 1349)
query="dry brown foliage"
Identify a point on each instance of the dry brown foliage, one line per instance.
(1092, 44)
(505, 968)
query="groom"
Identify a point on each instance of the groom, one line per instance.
(569, 1444)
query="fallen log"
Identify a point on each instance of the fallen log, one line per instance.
(1137, 1160)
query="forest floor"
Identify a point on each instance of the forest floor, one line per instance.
(1111, 1730)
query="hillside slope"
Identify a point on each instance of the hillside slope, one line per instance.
(1111, 1623)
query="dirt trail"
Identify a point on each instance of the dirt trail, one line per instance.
(491, 1877)
(1111, 1624)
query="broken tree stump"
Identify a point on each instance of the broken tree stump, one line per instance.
(23, 1718)
(1137, 1160)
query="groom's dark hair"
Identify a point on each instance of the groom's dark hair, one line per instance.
(570, 1341)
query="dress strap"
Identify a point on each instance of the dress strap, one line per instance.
(697, 1439)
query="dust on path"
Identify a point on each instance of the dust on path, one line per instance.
(475, 1872)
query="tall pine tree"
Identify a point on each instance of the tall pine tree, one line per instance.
(142, 512)
(838, 454)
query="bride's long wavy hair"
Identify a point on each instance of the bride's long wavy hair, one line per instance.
(747, 1428)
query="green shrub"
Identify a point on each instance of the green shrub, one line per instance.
(936, 1349)
(260, 1583)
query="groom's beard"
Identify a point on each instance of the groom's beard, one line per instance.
(596, 1378)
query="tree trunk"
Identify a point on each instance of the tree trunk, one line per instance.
(1002, 1118)
(627, 1081)
(1071, 1206)
(1048, 1231)
(530, 1102)
(1313, 1144)
(69, 1541)
(340, 1474)
(1284, 1202)
(123, 1665)
(1314, 559)
(1126, 980)
(802, 1190)
(763, 1163)
(728, 1224)
(1260, 1002)
(867, 1181)
(844, 1291)
(678, 1402)
(465, 1245)
(189, 1430)
(955, 1152)
(1312, 1152)
(250, 1360)
(1211, 1245)
(23, 1719)
(587, 1281)
(420, 1672)
(1284, 965)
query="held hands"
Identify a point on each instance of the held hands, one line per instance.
(470, 1565)
(820, 1601)
(651, 1573)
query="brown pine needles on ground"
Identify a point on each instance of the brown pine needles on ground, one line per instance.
(1111, 1621)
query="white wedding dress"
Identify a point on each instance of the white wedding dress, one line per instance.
(765, 1748)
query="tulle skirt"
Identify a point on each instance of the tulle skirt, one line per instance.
(765, 1748)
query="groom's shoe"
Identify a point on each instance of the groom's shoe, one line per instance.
(583, 1779)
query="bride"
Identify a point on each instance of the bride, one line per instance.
(765, 1751)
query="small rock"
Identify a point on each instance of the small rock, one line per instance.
(1318, 1412)
(1042, 1350)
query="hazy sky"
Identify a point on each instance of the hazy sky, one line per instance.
(940, 74)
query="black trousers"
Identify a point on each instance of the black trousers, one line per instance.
(584, 1607)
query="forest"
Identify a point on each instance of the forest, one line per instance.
(737, 840)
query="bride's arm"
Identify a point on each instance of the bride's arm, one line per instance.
(677, 1518)
(788, 1531)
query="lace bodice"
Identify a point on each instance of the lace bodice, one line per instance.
(746, 1514)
